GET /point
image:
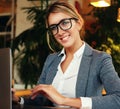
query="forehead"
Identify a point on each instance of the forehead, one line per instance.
(55, 18)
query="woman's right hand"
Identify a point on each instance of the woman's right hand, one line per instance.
(15, 99)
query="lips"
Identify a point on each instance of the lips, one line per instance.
(66, 38)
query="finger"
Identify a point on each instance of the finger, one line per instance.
(13, 90)
(38, 88)
(33, 96)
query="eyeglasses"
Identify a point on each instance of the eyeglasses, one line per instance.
(64, 24)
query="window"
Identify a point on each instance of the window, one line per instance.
(5, 30)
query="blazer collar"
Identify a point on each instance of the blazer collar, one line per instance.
(53, 69)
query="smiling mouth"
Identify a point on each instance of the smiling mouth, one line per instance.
(65, 38)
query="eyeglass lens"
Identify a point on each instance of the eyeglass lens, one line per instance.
(64, 24)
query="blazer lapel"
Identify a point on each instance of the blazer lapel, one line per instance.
(83, 74)
(53, 69)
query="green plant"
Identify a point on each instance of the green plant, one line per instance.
(107, 36)
(30, 48)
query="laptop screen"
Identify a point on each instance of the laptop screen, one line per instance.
(5, 78)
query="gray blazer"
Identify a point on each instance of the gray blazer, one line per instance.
(95, 72)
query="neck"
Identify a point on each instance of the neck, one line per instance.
(72, 50)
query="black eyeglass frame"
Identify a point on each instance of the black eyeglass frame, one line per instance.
(58, 25)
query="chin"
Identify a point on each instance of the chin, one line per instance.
(67, 46)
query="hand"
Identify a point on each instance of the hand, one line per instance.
(49, 91)
(15, 98)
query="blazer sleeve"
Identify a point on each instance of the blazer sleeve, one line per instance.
(41, 100)
(111, 82)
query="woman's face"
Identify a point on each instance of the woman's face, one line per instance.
(65, 29)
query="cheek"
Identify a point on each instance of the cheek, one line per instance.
(76, 28)
(56, 38)
(79, 26)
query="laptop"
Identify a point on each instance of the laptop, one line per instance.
(5, 78)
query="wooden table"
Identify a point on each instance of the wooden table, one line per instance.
(36, 107)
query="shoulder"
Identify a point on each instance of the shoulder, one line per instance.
(101, 54)
(51, 57)
(98, 58)
(95, 53)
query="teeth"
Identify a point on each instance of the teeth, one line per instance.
(64, 38)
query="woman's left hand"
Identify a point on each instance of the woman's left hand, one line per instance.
(49, 91)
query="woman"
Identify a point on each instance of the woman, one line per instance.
(76, 75)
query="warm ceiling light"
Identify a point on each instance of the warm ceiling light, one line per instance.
(118, 17)
(100, 3)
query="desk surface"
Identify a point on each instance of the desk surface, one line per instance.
(36, 107)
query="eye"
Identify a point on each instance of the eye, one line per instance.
(65, 22)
